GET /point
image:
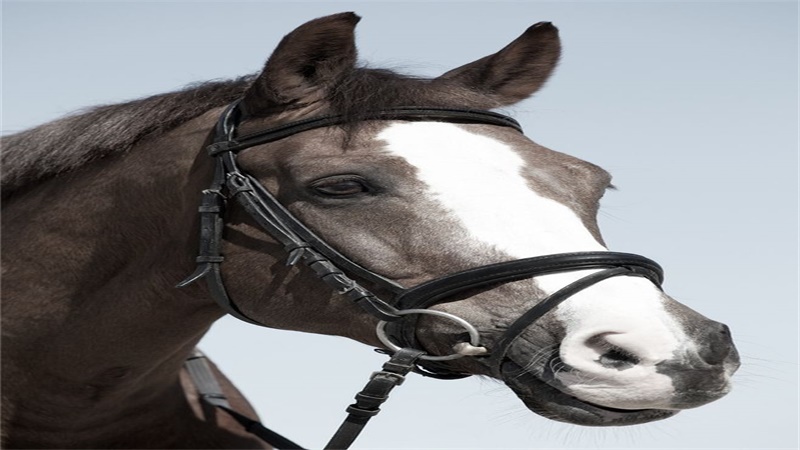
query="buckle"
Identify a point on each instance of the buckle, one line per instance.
(396, 377)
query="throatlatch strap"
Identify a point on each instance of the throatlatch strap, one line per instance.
(210, 392)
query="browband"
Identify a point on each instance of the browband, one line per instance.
(401, 113)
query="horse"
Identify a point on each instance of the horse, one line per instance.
(329, 198)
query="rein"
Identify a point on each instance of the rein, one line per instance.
(397, 326)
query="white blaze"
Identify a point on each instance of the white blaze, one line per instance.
(480, 182)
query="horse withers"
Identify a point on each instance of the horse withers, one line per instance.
(429, 215)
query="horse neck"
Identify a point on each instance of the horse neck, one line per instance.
(91, 318)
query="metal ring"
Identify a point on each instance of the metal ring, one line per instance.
(474, 336)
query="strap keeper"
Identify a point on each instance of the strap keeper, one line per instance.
(340, 282)
(213, 396)
(364, 399)
(220, 147)
(210, 259)
(297, 250)
(373, 305)
(355, 410)
(392, 368)
(209, 209)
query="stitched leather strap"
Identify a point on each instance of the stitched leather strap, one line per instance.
(432, 292)
(401, 113)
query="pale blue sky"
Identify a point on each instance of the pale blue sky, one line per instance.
(692, 106)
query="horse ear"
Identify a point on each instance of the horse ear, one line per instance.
(518, 70)
(305, 65)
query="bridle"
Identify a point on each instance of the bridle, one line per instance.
(397, 327)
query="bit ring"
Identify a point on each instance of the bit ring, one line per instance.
(474, 336)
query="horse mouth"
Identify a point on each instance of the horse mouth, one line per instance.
(548, 401)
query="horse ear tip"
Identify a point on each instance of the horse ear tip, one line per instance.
(542, 27)
(349, 16)
(347, 19)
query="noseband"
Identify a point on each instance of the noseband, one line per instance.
(397, 328)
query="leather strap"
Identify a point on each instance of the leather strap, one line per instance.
(370, 398)
(515, 330)
(211, 210)
(367, 404)
(210, 392)
(434, 291)
(401, 113)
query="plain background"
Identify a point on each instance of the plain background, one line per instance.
(692, 106)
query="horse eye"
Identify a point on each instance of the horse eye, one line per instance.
(340, 187)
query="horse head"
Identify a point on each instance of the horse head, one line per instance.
(412, 199)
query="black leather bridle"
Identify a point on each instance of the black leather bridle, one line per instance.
(345, 276)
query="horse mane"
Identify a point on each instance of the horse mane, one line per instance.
(75, 140)
(71, 142)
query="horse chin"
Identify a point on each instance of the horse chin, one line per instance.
(548, 401)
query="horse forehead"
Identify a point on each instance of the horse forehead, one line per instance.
(486, 153)
(486, 144)
(437, 141)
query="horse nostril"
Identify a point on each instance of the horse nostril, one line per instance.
(612, 356)
(619, 359)
(716, 344)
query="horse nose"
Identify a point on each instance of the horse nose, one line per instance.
(716, 344)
